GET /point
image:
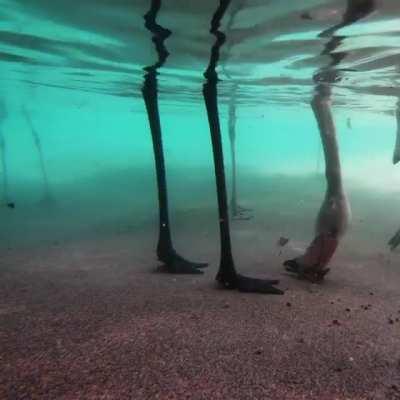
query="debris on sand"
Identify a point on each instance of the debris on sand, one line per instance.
(283, 241)
(306, 15)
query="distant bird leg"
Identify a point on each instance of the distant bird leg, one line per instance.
(238, 212)
(4, 168)
(47, 197)
(396, 152)
(3, 154)
(395, 240)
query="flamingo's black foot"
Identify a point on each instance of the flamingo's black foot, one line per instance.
(394, 241)
(311, 274)
(253, 285)
(173, 263)
(249, 285)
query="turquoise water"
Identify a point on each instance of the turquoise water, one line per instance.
(77, 144)
(308, 100)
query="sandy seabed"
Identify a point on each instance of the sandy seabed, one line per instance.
(88, 318)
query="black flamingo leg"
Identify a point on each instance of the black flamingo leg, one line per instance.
(227, 275)
(172, 261)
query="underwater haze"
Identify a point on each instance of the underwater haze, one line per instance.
(80, 192)
(72, 77)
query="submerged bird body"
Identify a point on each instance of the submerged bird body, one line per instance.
(334, 215)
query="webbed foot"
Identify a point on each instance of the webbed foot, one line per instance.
(248, 285)
(173, 263)
(311, 274)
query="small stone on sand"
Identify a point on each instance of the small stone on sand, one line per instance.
(283, 241)
(306, 15)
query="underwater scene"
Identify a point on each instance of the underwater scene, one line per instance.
(200, 199)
